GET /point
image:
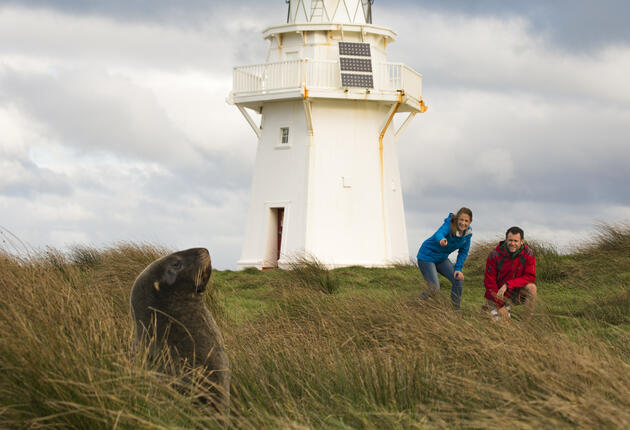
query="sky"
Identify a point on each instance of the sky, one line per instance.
(114, 125)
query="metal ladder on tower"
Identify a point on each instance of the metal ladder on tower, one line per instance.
(317, 9)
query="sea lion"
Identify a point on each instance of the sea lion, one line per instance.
(171, 319)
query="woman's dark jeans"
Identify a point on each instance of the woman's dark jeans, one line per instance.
(430, 273)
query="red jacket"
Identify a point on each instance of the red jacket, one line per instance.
(501, 268)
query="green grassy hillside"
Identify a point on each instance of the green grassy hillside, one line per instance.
(310, 348)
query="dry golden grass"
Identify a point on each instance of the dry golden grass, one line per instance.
(366, 356)
(410, 363)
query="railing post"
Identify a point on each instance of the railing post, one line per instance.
(403, 74)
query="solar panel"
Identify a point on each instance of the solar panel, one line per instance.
(356, 64)
(354, 48)
(356, 80)
(362, 67)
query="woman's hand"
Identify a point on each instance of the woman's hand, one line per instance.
(443, 242)
(458, 275)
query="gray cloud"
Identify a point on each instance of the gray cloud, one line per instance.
(49, 34)
(566, 155)
(488, 53)
(94, 111)
(190, 12)
(573, 25)
(23, 178)
(114, 201)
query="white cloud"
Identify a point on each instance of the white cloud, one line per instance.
(195, 102)
(16, 133)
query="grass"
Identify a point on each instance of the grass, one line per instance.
(314, 348)
(311, 273)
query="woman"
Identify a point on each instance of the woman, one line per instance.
(454, 234)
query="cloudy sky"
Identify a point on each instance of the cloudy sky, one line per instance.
(114, 125)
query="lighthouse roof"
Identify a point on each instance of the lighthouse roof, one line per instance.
(358, 28)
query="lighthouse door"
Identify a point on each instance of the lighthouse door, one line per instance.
(274, 238)
(280, 224)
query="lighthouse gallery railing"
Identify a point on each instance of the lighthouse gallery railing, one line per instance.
(321, 75)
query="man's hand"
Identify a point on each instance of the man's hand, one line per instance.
(501, 292)
(504, 315)
(458, 275)
(443, 242)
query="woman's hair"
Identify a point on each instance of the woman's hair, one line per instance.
(455, 217)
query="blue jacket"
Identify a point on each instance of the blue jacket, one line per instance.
(432, 252)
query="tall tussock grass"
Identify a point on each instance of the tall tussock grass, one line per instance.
(549, 265)
(613, 309)
(610, 238)
(604, 254)
(410, 364)
(309, 272)
(352, 359)
(66, 346)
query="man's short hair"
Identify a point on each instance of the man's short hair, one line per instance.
(515, 230)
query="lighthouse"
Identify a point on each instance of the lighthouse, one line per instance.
(326, 182)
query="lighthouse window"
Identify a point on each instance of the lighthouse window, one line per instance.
(284, 135)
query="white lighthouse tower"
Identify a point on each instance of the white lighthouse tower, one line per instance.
(326, 182)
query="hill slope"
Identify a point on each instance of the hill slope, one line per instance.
(350, 348)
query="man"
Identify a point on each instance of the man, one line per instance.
(510, 275)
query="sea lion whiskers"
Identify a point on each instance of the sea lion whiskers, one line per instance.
(203, 272)
(199, 288)
(198, 277)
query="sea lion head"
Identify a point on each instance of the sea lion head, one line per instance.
(184, 271)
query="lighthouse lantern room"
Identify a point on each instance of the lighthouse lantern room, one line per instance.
(326, 182)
